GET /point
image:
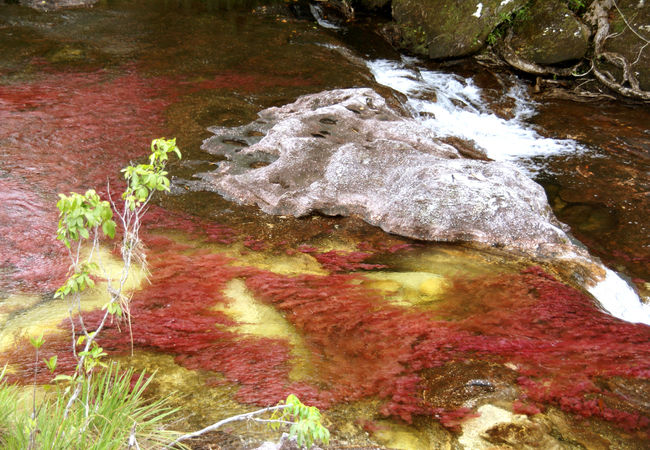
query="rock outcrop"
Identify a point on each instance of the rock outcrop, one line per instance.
(346, 152)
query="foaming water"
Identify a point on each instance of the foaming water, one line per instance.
(451, 105)
(619, 299)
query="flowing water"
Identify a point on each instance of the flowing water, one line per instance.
(243, 308)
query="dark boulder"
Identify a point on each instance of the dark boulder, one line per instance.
(449, 29)
(551, 34)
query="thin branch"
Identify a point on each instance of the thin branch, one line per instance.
(214, 426)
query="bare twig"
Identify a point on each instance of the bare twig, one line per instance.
(248, 416)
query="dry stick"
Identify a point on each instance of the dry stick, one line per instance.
(247, 416)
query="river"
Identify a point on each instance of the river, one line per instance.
(233, 315)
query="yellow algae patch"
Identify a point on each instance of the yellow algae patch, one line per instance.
(112, 265)
(451, 261)
(202, 396)
(280, 263)
(258, 319)
(434, 287)
(408, 288)
(16, 302)
(42, 316)
(489, 416)
(403, 437)
(385, 286)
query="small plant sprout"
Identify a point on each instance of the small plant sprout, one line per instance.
(305, 421)
(145, 179)
(84, 218)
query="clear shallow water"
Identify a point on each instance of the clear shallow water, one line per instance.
(83, 91)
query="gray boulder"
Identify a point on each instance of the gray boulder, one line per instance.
(449, 29)
(551, 34)
(346, 152)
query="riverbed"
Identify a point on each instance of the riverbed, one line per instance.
(387, 335)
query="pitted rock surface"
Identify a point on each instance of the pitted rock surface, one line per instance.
(346, 152)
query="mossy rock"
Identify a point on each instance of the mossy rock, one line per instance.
(443, 29)
(551, 35)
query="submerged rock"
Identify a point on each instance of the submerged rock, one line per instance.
(346, 152)
(48, 5)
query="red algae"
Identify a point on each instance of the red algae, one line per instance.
(29, 254)
(552, 332)
(73, 131)
(340, 261)
(66, 132)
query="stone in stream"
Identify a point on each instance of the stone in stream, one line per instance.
(346, 152)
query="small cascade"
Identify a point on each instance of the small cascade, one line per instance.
(619, 299)
(317, 12)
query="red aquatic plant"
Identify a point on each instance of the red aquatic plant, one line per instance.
(341, 261)
(64, 132)
(30, 257)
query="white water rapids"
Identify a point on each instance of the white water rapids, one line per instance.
(451, 105)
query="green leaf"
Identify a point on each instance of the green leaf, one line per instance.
(62, 377)
(37, 342)
(51, 363)
(108, 227)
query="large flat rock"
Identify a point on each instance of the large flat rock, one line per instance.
(346, 152)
